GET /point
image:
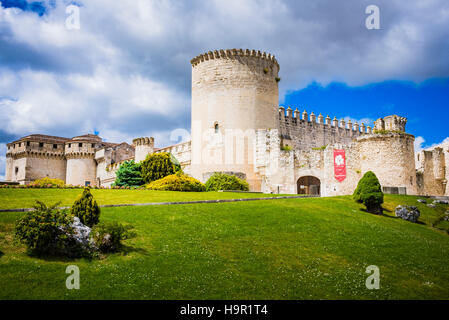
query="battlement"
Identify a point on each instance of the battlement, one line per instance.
(391, 123)
(232, 54)
(296, 118)
(145, 141)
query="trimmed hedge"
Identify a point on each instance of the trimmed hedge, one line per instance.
(48, 183)
(157, 166)
(369, 192)
(222, 181)
(177, 182)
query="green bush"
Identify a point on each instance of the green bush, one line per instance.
(369, 192)
(158, 165)
(177, 182)
(86, 209)
(222, 181)
(47, 230)
(47, 182)
(128, 175)
(107, 236)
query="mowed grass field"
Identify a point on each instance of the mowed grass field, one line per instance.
(316, 248)
(25, 198)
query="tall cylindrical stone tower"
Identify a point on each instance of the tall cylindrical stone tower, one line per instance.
(80, 155)
(234, 93)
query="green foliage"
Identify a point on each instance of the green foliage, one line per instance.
(48, 182)
(177, 182)
(86, 209)
(107, 236)
(221, 181)
(158, 165)
(128, 175)
(277, 79)
(286, 148)
(320, 148)
(369, 192)
(46, 230)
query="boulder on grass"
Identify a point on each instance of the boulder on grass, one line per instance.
(422, 201)
(431, 205)
(409, 213)
(81, 233)
(440, 202)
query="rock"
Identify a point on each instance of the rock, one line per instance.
(106, 244)
(440, 202)
(422, 201)
(81, 233)
(431, 205)
(409, 213)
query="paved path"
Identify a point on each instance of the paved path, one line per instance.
(171, 203)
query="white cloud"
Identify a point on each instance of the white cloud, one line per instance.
(126, 72)
(2, 161)
(419, 142)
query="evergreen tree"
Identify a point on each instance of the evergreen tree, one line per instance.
(369, 192)
(86, 209)
(128, 175)
(159, 165)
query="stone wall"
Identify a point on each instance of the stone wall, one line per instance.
(304, 131)
(432, 170)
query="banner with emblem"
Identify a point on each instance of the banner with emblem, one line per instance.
(339, 164)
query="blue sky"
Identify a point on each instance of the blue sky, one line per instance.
(425, 104)
(126, 71)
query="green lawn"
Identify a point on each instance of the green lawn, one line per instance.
(315, 248)
(25, 198)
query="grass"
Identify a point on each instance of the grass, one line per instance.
(25, 198)
(315, 248)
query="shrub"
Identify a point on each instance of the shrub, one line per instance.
(47, 230)
(107, 236)
(177, 182)
(48, 183)
(86, 209)
(369, 192)
(128, 174)
(158, 165)
(221, 181)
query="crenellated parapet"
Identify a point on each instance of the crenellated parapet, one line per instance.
(145, 141)
(296, 118)
(391, 123)
(233, 54)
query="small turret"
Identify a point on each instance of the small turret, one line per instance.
(143, 147)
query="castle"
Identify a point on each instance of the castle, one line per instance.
(238, 128)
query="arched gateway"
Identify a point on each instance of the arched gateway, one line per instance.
(309, 185)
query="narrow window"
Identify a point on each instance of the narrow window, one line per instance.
(17, 170)
(93, 145)
(41, 144)
(28, 143)
(80, 145)
(216, 128)
(55, 146)
(70, 145)
(20, 144)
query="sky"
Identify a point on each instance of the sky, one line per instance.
(126, 73)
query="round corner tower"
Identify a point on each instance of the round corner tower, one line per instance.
(389, 153)
(234, 93)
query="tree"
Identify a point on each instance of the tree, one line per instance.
(87, 209)
(158, 165)
(369, 192)
(128, 175)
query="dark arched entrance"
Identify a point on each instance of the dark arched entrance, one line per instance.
(309, 185)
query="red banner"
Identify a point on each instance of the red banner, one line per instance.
(339, 164)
